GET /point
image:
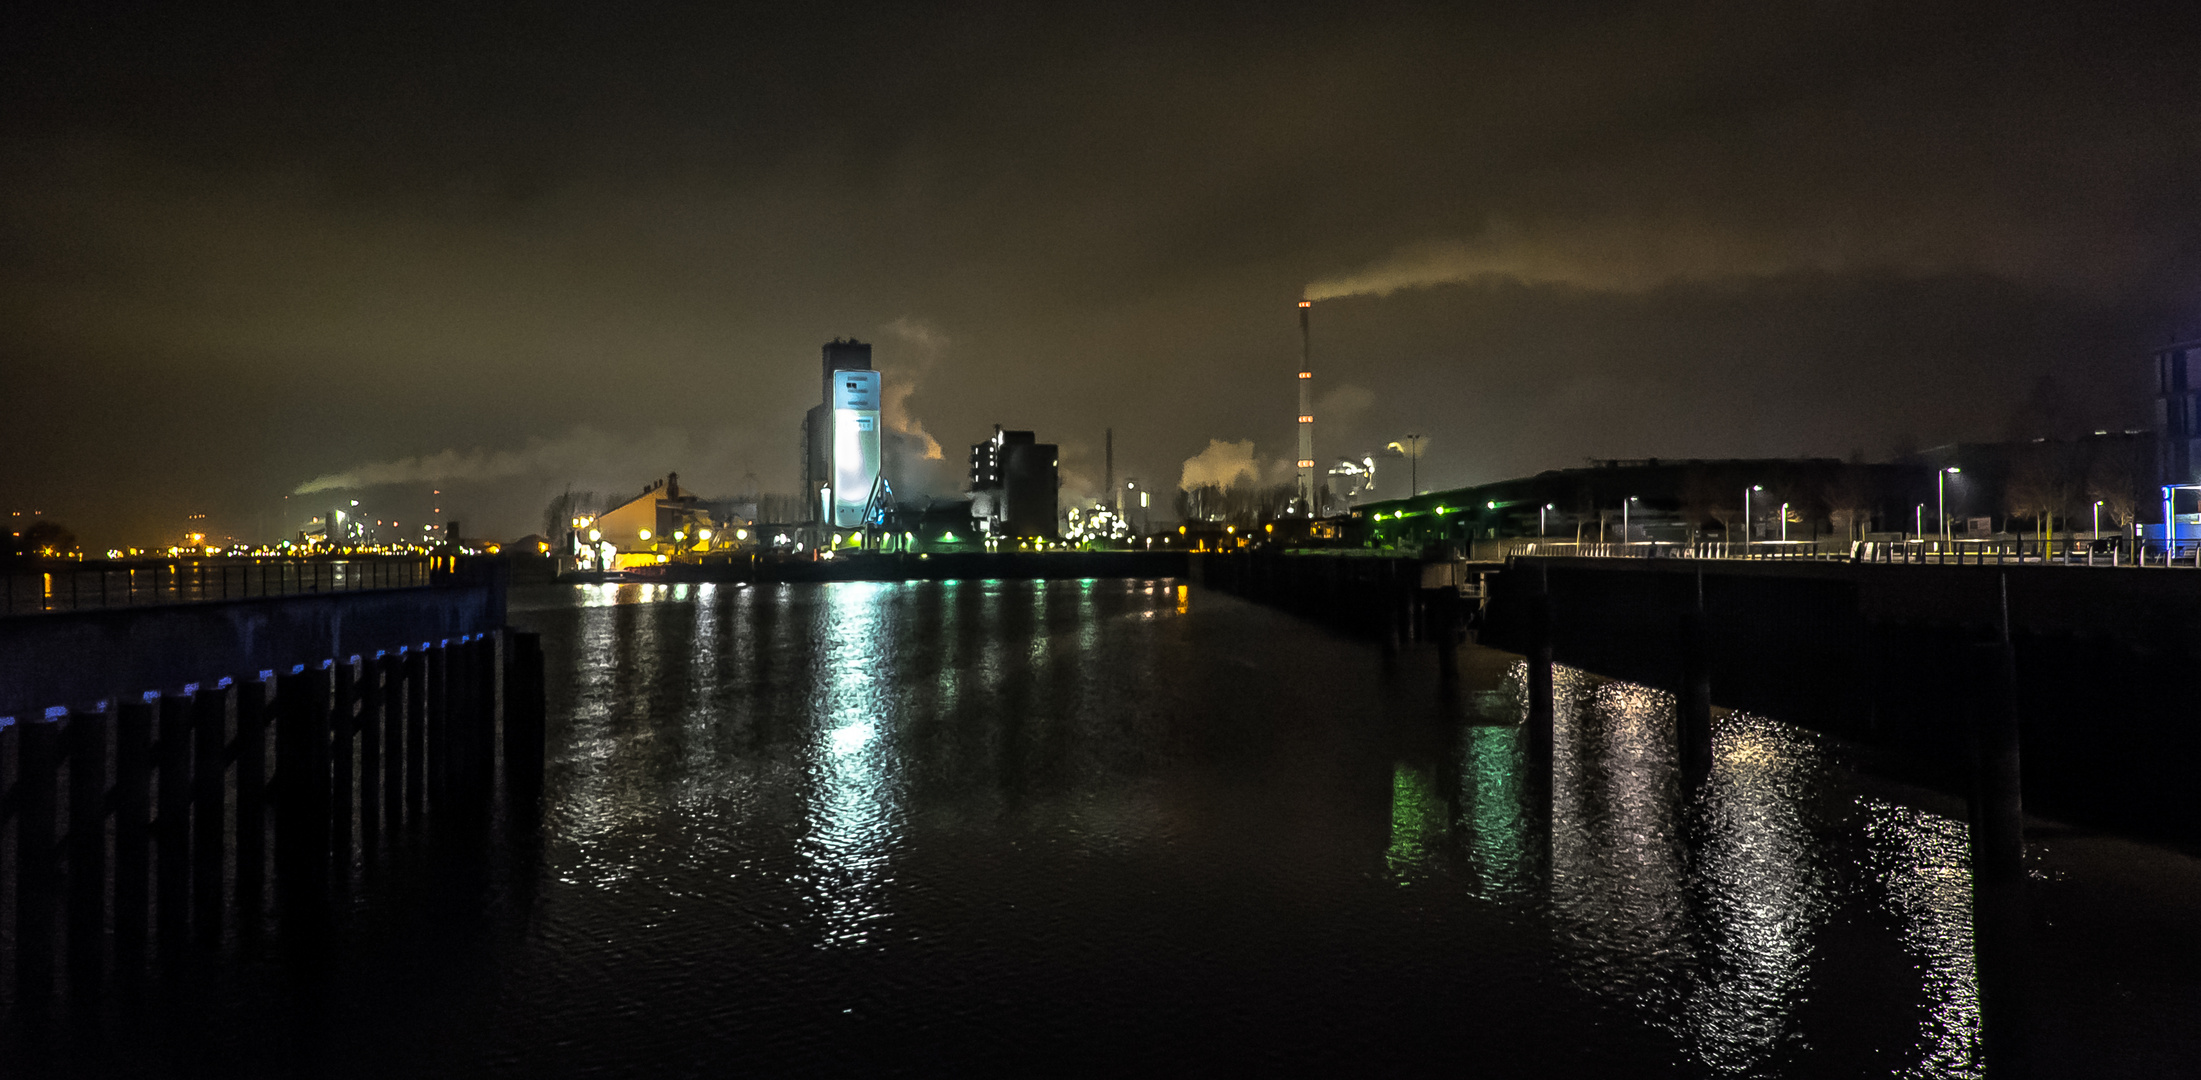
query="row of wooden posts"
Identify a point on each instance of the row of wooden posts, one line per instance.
(143, 821)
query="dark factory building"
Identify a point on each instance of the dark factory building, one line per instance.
(1014, 485)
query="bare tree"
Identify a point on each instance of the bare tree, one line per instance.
(2043, 483)
(2113, 476)
(1849, 496)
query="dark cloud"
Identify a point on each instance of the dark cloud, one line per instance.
(244, 250)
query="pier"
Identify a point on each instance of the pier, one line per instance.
(161, 766)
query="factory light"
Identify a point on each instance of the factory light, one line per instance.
(644, 534)
(741, 534)
(703, 534)
(595, 535)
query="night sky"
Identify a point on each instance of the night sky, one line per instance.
(377, 250)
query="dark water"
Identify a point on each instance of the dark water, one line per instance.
(1106, 826)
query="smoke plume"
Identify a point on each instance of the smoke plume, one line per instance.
(1221, 465)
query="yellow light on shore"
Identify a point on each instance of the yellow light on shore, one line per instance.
(644, 534)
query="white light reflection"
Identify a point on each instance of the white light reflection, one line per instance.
(1762, 895)
(1616, 868)
(1924, 862)
(855, 810)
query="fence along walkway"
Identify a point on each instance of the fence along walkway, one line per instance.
(140, 825)
(81, 587)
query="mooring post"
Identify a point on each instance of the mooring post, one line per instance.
(133, 826)
(251, 753)
(172, 830)
(37, 860)
(210, 730)
(1694, 702)
(86, 736)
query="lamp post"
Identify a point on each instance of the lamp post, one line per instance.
(1941, 500)
(1784, 523)
(1746, 516)
(1540, 520)
(1413, 465)
(1624, 522)
(2097, 519)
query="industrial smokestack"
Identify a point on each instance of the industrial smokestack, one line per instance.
(1109, 441)
(1306, 416)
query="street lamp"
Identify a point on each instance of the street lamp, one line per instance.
(1746, 515)
(1413, 465)
(1540, 520)
(1941, 500)
(1624, 522)
(2097, 519)
(1784, 523)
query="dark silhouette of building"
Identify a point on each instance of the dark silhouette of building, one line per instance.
(2178, 412)
(1014, 485)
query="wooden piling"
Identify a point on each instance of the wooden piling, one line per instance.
(343, 730)
(439, 743)
(209, 771)
(254, 713)
(1694, 701)
(172, 824)
(1997, 803)
(416, 731)
(1540, 690)
(302, 790)
(134, 723)
(86, 738)
(37, 859)
(371, 675)
(393, 740)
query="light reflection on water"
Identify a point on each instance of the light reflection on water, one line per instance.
(1009, 701)
(1133, 826)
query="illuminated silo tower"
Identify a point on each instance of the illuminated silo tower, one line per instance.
(1306, 418)
(841, 437)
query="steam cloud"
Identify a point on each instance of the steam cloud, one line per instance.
(1635, 256)
(925, 345)
(1222, 464)
(585, 454)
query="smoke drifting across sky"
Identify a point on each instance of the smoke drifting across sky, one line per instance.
(241, 249)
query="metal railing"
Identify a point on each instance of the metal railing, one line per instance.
(92, 586)
(2108, 551)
